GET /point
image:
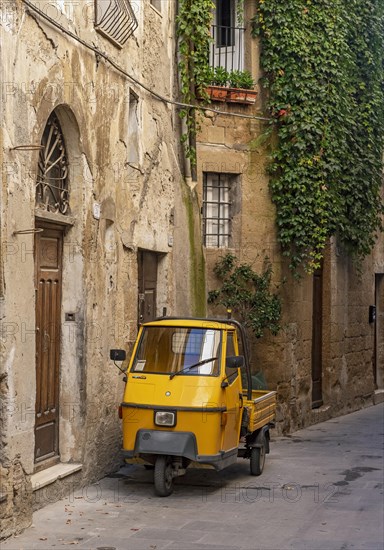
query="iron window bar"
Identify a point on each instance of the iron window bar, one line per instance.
(118, 22)
(29, 147)
(227, 47)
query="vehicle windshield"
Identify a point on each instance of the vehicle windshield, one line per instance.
(168, 350)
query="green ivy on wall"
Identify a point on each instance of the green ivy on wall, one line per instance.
(323, 66)
(248, 294)
(193, 29)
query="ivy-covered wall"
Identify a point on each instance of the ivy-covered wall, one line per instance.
(323, 69)
(322, 65)
(309, 184)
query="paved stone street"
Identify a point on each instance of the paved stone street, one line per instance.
(322, 489)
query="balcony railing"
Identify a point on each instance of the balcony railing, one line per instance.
(227, 48)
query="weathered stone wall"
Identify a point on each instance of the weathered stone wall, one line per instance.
(144, 204)
(286, 360)
(15, 498)
(378, 267)
(233, 145)
(348, 380)
(379, 336)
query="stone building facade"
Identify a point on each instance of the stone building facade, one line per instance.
(328, 358)
(102, 228)
(97, 230)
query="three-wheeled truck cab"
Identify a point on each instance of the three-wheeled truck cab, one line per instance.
(188, 400)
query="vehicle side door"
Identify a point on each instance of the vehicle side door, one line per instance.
(232, 397)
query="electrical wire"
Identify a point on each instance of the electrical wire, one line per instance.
(106, 58)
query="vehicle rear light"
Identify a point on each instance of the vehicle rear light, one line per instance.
(120, 412)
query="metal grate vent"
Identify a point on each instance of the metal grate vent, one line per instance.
(115, 19)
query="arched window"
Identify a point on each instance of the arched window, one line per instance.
(52, 192)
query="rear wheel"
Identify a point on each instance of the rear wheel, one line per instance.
(163, 476)
(258, 457)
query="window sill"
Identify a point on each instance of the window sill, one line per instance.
(61, 219)
(108, 37)
(50, 475)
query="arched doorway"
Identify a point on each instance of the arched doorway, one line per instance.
(52, 197)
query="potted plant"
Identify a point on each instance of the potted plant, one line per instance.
(218, 90)
(241, 87)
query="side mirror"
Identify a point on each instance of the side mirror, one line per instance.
(117, 354)
(234, 362)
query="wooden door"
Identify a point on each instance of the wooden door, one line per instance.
(48, 279)
(147, 285)
(317, 339)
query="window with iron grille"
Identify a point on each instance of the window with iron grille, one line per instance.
(225, 17)
(52, 193)
(228, 35)
(217, 207)
(115, 19)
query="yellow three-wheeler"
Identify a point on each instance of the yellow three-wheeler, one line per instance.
(184, 401)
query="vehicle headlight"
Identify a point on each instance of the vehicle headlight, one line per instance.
(165, 418)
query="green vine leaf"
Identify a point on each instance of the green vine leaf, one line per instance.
(247, 294)
(193, 29)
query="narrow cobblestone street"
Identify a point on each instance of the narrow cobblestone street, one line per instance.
(322, 489)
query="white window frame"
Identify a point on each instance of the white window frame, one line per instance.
(228, 36)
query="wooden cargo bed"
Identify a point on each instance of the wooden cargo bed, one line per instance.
(261, 408)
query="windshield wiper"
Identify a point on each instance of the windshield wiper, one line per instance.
(198, 364)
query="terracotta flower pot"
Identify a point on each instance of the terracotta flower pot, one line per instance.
(239, 95)
(217, 93)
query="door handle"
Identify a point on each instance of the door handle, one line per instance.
(241, 400)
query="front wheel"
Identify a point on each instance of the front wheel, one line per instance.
(163, 476)
(258, 458)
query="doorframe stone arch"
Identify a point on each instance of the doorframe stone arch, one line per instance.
(72, 326)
